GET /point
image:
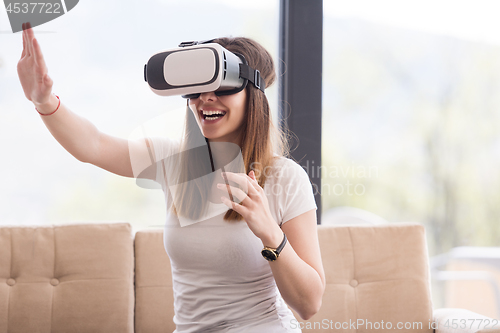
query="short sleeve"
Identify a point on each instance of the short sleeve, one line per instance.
(298, 196)
(163, 148)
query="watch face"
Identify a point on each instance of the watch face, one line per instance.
(269, 255)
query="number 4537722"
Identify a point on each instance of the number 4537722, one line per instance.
(464, 323)
(34, 7)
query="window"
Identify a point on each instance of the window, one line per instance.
(95, 55)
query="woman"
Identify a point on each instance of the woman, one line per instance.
(221, 281)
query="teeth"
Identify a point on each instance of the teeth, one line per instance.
(208, 113)
(213, 118)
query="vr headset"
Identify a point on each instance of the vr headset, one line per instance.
(197, 67)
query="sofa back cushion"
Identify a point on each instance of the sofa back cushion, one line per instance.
(67, 278)
(375, 275)
(154, 308)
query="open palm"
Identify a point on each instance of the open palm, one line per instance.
(32, 71)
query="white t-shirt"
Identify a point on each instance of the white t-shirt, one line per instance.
(221, 282)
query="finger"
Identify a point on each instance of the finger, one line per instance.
(48, 80)
(29, 37)
(242, 210)
(253, 180)
(238, 178)
(24, 42)
(28, 43)
(236, 192)
(38, 54)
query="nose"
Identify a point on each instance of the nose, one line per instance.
(208, 96)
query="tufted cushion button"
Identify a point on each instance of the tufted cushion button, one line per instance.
(353, 283)
(11, 282)
(54, 282)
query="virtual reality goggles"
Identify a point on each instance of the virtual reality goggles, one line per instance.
(197, 67)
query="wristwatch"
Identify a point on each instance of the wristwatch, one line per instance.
(273, 254)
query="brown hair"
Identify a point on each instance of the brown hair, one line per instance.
(260, 139)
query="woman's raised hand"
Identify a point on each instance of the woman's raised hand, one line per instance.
(32, 71)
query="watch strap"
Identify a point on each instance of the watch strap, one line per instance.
(281, 246)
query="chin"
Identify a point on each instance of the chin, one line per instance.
(211, 136)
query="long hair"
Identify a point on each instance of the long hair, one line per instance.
(260, 139)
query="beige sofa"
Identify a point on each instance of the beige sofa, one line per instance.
(100, 278)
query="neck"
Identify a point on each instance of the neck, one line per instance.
(223, 153)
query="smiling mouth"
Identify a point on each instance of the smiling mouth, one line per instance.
(212, 115)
